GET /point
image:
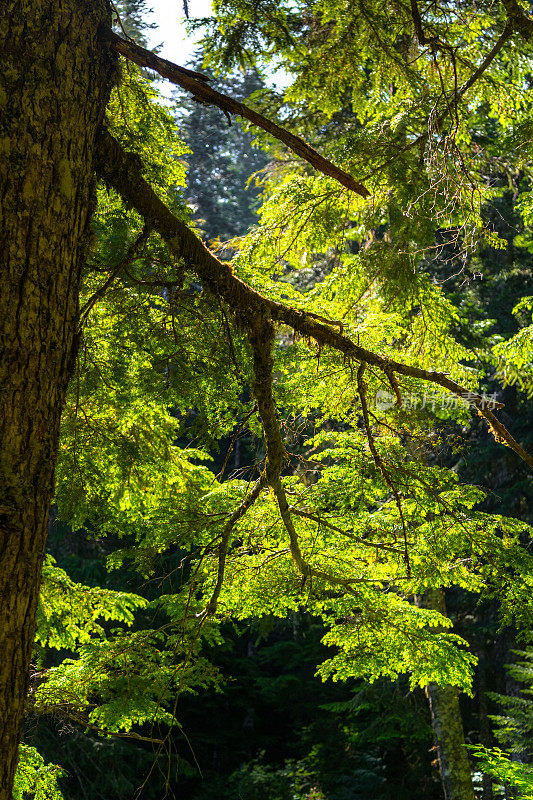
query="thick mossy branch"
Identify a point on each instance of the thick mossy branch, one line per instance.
(196, 84)
(122, 171)
(520, 21)
(261, 335)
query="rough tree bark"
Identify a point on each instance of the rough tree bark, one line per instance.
(447, 724)
(54, 85)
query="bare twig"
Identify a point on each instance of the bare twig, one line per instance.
(129, 256)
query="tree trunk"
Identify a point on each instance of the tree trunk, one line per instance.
(54, 86)
(485, 733)
(447, 724)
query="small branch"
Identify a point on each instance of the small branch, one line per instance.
(432, 41)
(129, 256)
(197, 85)
(321, 521)
(380, 464)
(233, 441)
(231, 348)
(394, 386)
(305, 569)
(223, 547)
(453, 100)
(504, 36)
(520, 24)
(261, 336)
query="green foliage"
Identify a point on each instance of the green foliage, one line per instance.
(299, 781)
(35, 778)
(121, 682)
(514, 730)
(515, 356)
(256, 780)
(145, 126)
(385, 642)
(505, 770)
(70, 613)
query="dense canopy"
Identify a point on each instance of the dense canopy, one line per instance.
(294, 404)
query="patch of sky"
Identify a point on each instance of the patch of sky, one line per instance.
(177, 44)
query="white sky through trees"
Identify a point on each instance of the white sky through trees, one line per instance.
(177, 44)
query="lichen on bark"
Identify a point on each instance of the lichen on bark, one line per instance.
(54, 86)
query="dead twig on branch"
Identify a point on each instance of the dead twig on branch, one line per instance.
(197, 85)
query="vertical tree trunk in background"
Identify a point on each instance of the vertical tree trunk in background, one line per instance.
(447, 724)
(485, 733)
(54, 85)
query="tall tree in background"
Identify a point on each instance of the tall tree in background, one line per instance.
(130, 17)
(222, 161)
